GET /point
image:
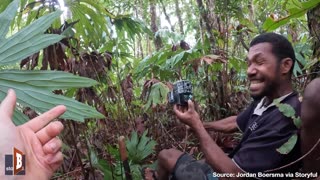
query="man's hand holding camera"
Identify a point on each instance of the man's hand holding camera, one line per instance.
(181, 96)
(188, 115)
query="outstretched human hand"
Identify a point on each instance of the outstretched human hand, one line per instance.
(36, 139)
(188, 115)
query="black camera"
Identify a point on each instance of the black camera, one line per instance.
(181, 93)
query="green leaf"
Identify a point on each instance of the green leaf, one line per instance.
(294, 5)
(175, 59)
(149, 148)
(301, 59)
(295, 8)
(146, 62)
(163, 56)
(132, 27)
(311, 63)
(92, 25)
(93, 157)
(289, 145)
(139, 148)
(132, 143)
(287, 110)
(18, 117)
(4, 4)
(106, 169)
(29, 40)
(41, 79)
(237, 63)
(158, 95)
(310, 4)
(271, 25)
(143, 140)
(296, 69)
(101, 164)
(33, 89)
(6, 17)
(297, 122)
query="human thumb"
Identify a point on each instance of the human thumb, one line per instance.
(7, 105)
(190, 105)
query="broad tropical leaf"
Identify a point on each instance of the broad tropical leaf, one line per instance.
(6, 17)
(18, 116)
(4, 4)
(27, 41)
(92, 27)
(295, 8)
(126, 24)
(34, 90)
(157, 96)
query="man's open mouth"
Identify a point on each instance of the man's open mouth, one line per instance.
(255, 84)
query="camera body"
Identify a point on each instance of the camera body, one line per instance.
(181, 93)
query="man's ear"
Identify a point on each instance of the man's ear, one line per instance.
(286, 65)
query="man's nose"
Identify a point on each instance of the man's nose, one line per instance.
(251, 70)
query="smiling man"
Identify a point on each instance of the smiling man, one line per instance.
(270, 64)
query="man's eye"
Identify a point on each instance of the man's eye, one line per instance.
(260, 61)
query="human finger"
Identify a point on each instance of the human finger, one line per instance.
(181, 108)
(7, 105)
(39, 122)
(53, 146)
(190, 105)
(184, 108)
(49, 132)
(178, 107)
(177, 111)
(54, 160)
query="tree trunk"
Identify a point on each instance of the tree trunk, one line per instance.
(251, 11)
(314, 28)
(211, 22)
(154, 27)
(178, 13)
(166, 15)
(139, 13)
(208, 17)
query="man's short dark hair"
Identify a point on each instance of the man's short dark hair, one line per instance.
(281, 47)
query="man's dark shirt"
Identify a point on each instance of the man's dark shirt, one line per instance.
(263, 134)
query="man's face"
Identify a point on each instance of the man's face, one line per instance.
(263, 70)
